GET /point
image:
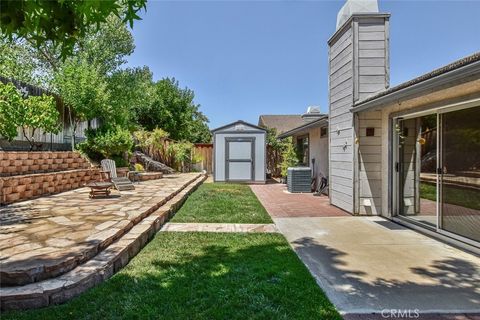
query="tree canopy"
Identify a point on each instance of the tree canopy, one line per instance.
(94, 84)
(62, 22)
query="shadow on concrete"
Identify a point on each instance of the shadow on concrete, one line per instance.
(452, 283)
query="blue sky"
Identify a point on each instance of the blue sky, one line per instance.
(246, 58)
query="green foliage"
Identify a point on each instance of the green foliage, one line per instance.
(92, 85)
(31, 114)
(40, 112)
(147, 139)
(10, 103)
(182, 153)
(130, 91)
(83, 89)
(173, 110)
(107, 142)
(289, 157)
(62, 23)
(120, 161)
(139, 167)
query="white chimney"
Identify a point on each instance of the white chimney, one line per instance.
(313, 112)
(355, 6)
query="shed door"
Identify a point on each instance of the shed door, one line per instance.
(240, 159)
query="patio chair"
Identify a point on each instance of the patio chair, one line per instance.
(120, 183)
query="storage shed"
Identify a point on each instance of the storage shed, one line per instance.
(239, 150)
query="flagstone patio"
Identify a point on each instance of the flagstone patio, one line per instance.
(49, 236)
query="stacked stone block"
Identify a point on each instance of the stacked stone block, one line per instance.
(25, 175)
(20, 163)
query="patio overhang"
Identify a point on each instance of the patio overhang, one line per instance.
(457, 73)
(305, 128)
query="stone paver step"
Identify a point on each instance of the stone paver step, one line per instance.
(219, 227)
(46, 237)
(100, 267)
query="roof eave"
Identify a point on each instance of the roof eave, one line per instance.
(313, 124)
(449, 78)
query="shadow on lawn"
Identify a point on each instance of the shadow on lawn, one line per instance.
(204, 276)
(452, 280)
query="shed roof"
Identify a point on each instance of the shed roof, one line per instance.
(235, 123)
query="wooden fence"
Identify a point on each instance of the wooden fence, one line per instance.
(205, 151)
(274, 160)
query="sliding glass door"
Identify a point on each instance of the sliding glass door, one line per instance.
(437, 171)
(460, 172)
(416, 166)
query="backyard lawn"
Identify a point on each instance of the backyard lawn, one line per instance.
(202, 276)
(222, 203)
(199, 275)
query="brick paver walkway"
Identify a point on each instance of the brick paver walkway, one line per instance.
(220, 227)
(48, 236)
(280, 203)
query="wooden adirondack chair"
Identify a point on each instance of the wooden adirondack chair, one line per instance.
(120, 183)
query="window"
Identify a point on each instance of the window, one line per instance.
(370, 132)
(302, 150)
(323, 132)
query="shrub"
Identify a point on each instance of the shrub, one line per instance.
(108, 143)
(289, 157)
(182, 154)
(139, 167)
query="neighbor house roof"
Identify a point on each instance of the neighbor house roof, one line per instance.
(447, 75)
(306, 126)
(281, 122)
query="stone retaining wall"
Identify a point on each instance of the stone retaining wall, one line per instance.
(24, 187)
(19, 163)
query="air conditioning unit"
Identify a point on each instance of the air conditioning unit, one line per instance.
(299, 179)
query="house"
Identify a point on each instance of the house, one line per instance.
(280, 122)
(409, 153)
(47, 141)
(311, 141)
(286, 122)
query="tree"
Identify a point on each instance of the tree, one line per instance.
(289, 156)
(62, 22)
(130, 90)
(84, 90)
(30, 114)
(174, 110)
(38, 112)
(10, 103)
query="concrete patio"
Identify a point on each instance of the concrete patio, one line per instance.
(48, 236)
(368, 264)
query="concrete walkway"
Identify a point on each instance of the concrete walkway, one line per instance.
(369, 265)
(220, 227)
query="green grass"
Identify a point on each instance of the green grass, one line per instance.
(202, 276)
(222, 203)
(468, 198)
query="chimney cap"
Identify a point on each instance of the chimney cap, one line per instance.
(355, 6)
